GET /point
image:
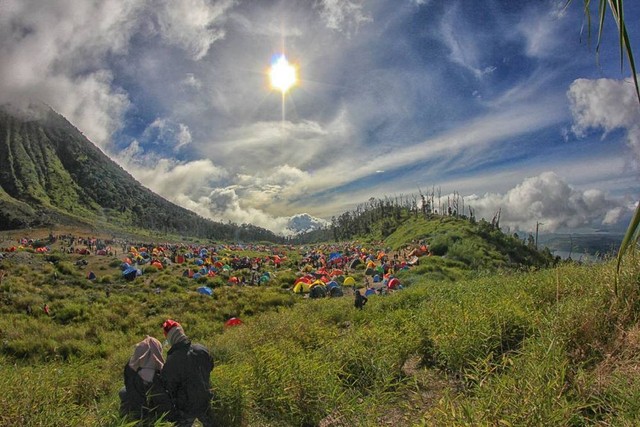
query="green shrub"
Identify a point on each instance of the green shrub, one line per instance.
(65, 267)
(70, 312)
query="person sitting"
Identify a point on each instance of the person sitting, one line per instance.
(186, 377)
(143, 397)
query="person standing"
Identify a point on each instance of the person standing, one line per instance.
(186, 378)
(360, 300)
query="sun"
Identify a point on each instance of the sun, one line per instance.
(282, 74)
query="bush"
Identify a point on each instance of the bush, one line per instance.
(440, 244)
(70, 312)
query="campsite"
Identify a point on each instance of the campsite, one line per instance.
(449, 345)
(319, 214)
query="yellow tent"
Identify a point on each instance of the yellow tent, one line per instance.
(301, 287)
(317, 283)
(349, 281)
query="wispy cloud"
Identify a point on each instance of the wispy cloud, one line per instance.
(463, 46)
(344, 15)
(392, 95)
(193, 25)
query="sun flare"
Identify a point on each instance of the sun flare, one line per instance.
(282, 74)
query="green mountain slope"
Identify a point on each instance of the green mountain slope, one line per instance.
(51, 174)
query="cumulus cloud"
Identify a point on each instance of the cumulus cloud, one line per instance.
(59, 52)
(304, 222)
(548, 199)
(54, 52)
(608, 105)
(227, 204)
(165, 132)
(204, 188)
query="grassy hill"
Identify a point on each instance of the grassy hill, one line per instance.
(468, 341)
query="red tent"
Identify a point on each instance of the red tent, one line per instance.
(393, 283)
(234, 321)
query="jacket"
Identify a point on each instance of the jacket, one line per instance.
(186, 378)
(143, 400)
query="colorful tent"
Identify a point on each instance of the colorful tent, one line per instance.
(131, 273)
(318, 292)
(234, 321)
(349, 281)
(204, 290)
(301, 287)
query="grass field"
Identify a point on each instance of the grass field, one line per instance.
(497, 347)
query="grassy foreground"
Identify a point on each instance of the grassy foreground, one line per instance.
(552, 347)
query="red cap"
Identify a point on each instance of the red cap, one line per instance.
(168, 324)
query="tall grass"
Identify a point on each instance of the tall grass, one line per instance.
(550, 347)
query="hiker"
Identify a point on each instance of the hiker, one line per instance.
(46, 310)
(186, 378)
(143, 396)
(360, 300)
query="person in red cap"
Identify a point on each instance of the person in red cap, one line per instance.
(186, 377)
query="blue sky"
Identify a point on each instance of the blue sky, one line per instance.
(503, 102)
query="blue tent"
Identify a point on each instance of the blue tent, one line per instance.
(205, 290)
(332, 284)
(334, 255)
(370, 291)
(131, 273)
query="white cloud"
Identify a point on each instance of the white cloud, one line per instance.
(165, 132)
(193, 25)
(467, 144)
(541, 31)
(304, 222)
(344, 15)
(606, 104)
(191, 81)
(462, 44)
(550, 200)
(58, 52)
(52, 52)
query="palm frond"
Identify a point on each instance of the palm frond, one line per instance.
(616, 7)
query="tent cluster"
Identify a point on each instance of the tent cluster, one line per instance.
(203, 261)
(325, 270)
(322, 287)
(38, 249)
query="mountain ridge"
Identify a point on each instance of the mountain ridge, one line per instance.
(53, 174)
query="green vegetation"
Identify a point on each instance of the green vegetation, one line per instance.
(479, 336)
